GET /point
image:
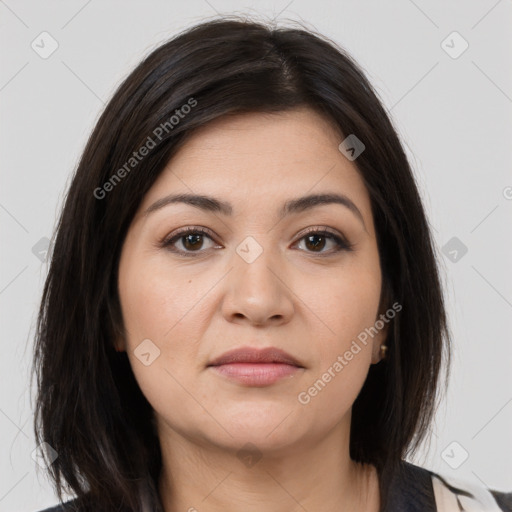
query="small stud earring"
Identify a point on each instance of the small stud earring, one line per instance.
(383, 351)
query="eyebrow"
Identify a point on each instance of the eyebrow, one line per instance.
(290, 207)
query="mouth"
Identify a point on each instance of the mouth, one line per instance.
(256, 367)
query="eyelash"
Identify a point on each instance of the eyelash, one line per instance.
(342, 245)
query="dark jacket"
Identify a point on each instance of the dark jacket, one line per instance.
(416, 490)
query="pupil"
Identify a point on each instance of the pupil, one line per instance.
(318, 244)
(195, 237)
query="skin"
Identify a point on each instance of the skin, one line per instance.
(312, 304)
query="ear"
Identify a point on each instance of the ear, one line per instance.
(382, 322)
(380, 338)
(116, 332)
(119, 344)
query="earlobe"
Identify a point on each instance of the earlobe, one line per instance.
(379, 353)
(380, 346)
(119, 345)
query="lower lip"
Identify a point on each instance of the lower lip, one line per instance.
(256, 374)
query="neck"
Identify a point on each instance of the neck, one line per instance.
(315, 476)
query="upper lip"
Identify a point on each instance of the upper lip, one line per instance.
(255, 355)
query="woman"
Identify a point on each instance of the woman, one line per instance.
(243, 309)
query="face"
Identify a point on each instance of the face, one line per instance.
(250, 273)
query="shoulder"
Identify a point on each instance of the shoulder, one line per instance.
(68, 506)
(416, 488)
(450, 492)
(84, 504)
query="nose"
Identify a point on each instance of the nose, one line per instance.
(257, 291)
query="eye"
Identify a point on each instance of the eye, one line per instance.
(191, 239)
(316, 240)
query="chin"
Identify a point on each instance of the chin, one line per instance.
(258, 441)
(263, 429)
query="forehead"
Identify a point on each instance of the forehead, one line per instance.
(264, 158)
(268, 137)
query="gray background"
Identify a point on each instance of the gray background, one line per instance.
(453, 115)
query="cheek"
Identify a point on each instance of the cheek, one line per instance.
(156, 302)
(331, 394)
(345, 305)
(342, 359)
(158, 306)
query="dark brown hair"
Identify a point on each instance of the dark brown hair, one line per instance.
(89, 407)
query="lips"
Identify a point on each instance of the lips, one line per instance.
(253, 367)
(252, 355)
